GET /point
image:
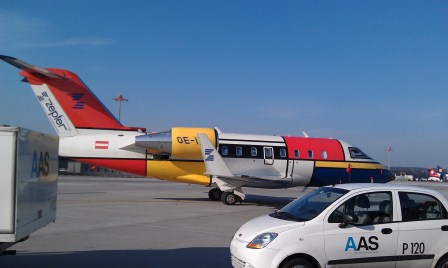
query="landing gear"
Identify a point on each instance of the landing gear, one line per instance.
(215, 194)
(229, 198)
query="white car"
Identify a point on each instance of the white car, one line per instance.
(349, 225)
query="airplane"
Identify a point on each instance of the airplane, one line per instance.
(438, 175)
(226, 162)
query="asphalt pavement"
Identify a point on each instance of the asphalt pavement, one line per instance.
(141, 222)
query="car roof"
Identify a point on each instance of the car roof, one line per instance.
(391, 186)
(381, 186)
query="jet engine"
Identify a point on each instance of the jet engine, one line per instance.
(178, 143)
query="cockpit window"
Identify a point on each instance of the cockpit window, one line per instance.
(356, 153)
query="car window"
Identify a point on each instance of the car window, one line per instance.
(367, 209)
(310, 205)
(418, 207)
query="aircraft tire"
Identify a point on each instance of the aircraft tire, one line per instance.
(229, 198)
(215, 194)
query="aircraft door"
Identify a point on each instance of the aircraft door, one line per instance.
(268, 153)
(290, 169)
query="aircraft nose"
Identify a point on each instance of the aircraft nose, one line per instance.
(388, 175)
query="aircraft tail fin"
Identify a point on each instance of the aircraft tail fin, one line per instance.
(433, 173)
(67, 102)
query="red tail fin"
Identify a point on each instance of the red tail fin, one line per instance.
(79, 104)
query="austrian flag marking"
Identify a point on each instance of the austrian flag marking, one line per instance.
(101, 144)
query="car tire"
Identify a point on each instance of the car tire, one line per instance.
(298, 263)
(443, 263)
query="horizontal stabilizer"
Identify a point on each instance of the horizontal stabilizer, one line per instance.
(30, 68)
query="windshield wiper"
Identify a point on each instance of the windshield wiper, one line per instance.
(285, 216)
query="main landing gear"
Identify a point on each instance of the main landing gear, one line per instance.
(215, 194)
(228, 198)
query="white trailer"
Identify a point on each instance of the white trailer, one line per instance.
(28, 183)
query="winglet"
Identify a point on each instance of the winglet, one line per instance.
(30, 68)
(214, 163)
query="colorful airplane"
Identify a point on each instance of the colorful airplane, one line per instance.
(89, 133)
(438, 175)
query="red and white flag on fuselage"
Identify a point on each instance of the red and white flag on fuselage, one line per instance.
(101, 144)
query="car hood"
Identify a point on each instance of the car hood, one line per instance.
(264, 224)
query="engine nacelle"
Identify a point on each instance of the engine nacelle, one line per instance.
(185, 144)
(179, 143)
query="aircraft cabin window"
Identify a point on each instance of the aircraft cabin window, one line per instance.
(253, 151)
(282, 152)
(239, 151)
(310, 154)
(224, 150)
(324, 155)
(268, 153)
(296, 153)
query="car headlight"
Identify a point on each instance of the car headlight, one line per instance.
(262, 240)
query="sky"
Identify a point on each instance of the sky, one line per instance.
(372, 73)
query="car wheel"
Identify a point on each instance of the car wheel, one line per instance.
(229, 198)
(215, 194)
(443, 263)
(298, 263)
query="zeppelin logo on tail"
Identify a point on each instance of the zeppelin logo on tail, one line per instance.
(101, 144)
(79, 102)
(56, 117)
(208, 153)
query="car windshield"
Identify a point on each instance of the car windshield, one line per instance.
(309, 205)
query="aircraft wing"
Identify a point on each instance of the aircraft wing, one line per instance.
(214, 163)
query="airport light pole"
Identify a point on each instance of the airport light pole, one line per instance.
(389, 151)
(120, 99)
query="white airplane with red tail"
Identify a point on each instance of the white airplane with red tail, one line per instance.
(226, 162)
(438, 175)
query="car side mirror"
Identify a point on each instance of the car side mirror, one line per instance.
(348, 219)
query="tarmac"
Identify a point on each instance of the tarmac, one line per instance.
(141, 222)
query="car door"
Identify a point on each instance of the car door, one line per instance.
(368, 241)
(422, 231)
